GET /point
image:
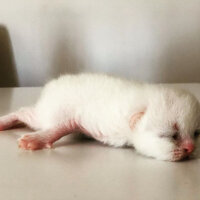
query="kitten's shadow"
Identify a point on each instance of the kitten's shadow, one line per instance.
(73, 139)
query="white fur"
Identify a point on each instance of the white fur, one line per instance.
(103, 105)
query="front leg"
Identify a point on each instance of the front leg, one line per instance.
(42, 139)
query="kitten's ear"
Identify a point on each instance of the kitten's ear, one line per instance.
(135, 118)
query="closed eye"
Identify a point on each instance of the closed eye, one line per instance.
(174, 136)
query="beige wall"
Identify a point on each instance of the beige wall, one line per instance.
(151, 40)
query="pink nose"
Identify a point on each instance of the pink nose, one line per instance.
(188, 146)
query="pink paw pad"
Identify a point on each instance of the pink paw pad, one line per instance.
(33, 142)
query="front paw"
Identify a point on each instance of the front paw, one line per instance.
(33, 142)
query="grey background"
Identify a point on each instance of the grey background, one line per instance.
(149, 40)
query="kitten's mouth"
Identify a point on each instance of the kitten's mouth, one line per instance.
(180, 158)
(180, 155)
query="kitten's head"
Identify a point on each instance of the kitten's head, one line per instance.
(168, 128)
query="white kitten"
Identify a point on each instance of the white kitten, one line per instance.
(158, 121)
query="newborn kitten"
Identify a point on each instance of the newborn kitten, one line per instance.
(157, 121)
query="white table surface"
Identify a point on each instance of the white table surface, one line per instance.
(85, 169)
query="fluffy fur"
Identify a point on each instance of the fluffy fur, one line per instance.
(159, 121)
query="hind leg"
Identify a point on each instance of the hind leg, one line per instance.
(43, 138)
(24, 116)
